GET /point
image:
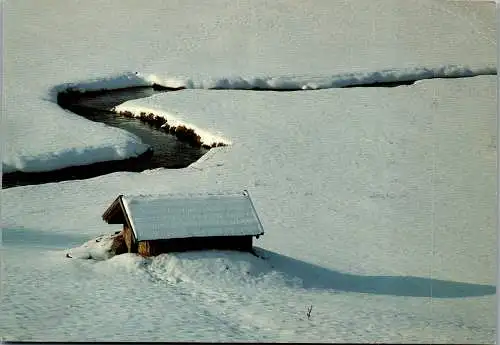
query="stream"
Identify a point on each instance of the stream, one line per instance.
(167, 151)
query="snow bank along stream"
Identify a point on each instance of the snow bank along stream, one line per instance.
(166, 151)
(96, 100)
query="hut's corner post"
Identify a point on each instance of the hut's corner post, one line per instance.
(129, 239)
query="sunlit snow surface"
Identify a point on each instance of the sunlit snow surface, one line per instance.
(361, 216)
(372, 200)
(313, 44)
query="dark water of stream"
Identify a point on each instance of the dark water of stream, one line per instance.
(167, 150)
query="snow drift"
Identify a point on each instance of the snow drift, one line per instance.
(296, 82)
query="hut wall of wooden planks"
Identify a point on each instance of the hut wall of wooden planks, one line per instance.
(130, 239)
(156, 247)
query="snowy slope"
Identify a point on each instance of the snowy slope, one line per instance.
(370, 199)
(210, 44)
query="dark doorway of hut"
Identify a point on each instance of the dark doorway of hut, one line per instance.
(167, 151)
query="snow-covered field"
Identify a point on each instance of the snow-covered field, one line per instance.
(209, 44)
(372, 199)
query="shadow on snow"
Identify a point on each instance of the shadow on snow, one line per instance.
(317, 277)
(38, 238)
(311, 275)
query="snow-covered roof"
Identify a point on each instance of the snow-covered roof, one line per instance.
(191, 215)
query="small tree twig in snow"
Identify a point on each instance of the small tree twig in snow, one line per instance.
(309, 312)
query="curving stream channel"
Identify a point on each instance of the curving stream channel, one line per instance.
(167, 151)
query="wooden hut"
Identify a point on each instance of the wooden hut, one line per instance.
(156, 224)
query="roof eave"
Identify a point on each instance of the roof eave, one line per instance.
(111, 209)
(127, 217)
(247, 194)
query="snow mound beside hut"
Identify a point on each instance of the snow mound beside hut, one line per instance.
(213, 268)
(102, 247)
